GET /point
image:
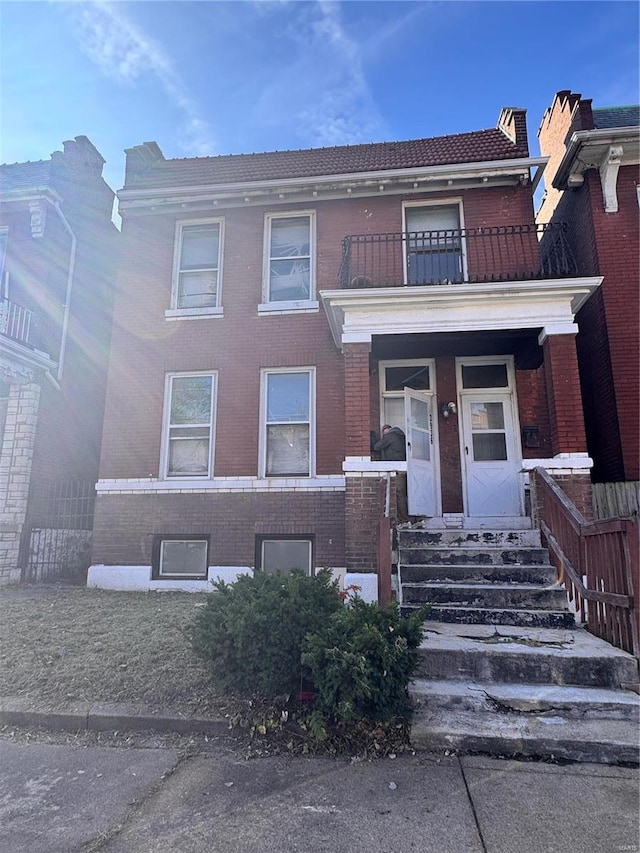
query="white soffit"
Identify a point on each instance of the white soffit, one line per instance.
(356, 315)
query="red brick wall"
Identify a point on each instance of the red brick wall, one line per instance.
(364, 504)
(449, 437)
(563, 394)
(533, 410)
(607, 244)
(357, 399)
(232, 521)
(617, 237)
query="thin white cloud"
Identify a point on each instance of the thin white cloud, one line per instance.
(125, 54)
(320, 88)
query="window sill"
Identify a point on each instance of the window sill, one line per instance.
(307, 306)
(192, 313)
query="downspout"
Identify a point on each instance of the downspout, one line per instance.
(67, 300)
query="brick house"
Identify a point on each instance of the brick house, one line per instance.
(274, 310)
(592, 184)
(57, 248)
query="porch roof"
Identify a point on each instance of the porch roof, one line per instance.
(355, 316)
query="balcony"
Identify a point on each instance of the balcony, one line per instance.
(16, 322)
(473, 255)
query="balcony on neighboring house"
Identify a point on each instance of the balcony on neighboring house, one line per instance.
(454, 256)
(17, 323)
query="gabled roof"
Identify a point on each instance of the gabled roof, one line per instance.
(477, 146)
(616, 117)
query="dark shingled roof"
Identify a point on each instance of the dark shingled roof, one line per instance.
(478, 146)
(616, 117)
(25, 176)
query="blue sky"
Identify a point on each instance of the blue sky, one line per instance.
(210, 77)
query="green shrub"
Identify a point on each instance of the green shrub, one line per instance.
(249, 634)
(361, 662)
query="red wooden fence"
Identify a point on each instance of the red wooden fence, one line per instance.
(598, 561)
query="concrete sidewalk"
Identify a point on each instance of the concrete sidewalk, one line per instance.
(60, 799)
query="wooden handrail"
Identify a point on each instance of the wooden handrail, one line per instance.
(604, 551)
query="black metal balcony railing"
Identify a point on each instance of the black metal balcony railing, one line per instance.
(505, 253)
(16, 322)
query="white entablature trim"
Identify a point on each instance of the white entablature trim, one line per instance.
(420, 178)
(355, 316)
(149, 485)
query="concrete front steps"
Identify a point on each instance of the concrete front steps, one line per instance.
(480, 577)
(513, 691)
(503, 668)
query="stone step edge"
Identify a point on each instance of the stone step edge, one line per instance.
(449, 608)
(484, 585)
(595, 741)
(526, 698)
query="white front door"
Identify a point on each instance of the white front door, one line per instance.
(491, 458)
(422, 492)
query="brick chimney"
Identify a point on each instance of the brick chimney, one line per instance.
(568, 113)
(513, 123)
(139, 159)
(79, 155)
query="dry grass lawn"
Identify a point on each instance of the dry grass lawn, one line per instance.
(61, 645)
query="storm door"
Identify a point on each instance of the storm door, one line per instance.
(490, 440)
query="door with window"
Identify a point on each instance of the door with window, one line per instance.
(421, 467)
(491, 448)
(407, 401)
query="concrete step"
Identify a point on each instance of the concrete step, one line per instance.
(442, 556)
(469, 538)
(513, 735)
(509, 573)
(486, 595)
(580, 703)
(531, 655)
(494, 616)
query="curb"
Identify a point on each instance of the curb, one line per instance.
(106, 717)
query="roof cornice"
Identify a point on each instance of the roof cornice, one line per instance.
(342, 185)
(586, 148)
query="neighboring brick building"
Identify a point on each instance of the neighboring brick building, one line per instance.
(273, 310)
(57, 253)
(592, 183)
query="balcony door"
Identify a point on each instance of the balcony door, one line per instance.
(434, 245)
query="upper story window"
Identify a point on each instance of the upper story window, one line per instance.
(189, 424)
(289, 258)
(434, 245)
(197, 268)
(288, 423)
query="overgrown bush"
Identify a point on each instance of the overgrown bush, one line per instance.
(249, 634)
(361, 661)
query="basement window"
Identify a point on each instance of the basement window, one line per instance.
(180, 557)
(284, 554)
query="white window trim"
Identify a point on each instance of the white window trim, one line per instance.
(404, 362)
(466, 361)
(166, 412)
(262, 443)
(208, 311)
(443, 202)
(287, 307)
